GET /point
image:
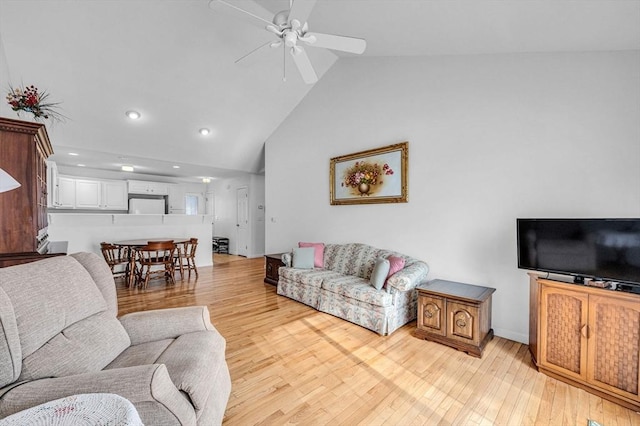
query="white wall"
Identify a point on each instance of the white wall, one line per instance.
(491, 138)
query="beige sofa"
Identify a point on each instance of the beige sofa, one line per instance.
(60, 336)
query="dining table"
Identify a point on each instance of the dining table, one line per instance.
(133, 244)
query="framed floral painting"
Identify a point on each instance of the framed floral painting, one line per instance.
(368, 177)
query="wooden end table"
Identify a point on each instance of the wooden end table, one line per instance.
(455, 314)
(272, 263)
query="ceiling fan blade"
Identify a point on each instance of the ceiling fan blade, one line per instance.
(335, 42)
(304, 65)
(301, 10)
(253, 51)
(258, 14)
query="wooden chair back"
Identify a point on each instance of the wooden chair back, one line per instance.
(114, 256)
(154, 254)
(185, 257)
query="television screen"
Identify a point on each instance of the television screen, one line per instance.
(607, 249)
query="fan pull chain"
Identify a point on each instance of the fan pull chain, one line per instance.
(284, 63)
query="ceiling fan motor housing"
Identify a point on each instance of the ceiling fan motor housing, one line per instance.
(281, 18)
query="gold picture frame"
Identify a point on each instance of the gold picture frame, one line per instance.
(370, 177)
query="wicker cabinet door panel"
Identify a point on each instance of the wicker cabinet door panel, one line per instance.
(563, 324)
(614, 345)
(462, 322)
(431, 314)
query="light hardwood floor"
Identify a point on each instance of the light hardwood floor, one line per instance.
(291, 364)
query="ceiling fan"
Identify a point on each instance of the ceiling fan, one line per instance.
(291, 29)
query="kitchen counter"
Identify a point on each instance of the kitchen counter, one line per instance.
(85, 231)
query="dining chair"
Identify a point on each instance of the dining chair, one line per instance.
(185, 257)
(116, 256)
(156, 258)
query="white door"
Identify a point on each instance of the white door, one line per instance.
(242, 222)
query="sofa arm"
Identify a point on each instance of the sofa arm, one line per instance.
(159, 324)
(146, 386)
(409, 277)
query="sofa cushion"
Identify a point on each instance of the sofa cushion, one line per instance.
(380, 273)
(102, 277)
(313, 278)
(351, 259)
(303, 257)
(86, 346)
(11, 361)
(48, 296)
(193, 361)
(142, 354)
(318, 258)
(357, 288)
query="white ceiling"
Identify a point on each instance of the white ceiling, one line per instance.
(173, 61)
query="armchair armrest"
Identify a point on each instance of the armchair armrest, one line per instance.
(286, 259)
(144, 386)
(409, 277)
(159, 324)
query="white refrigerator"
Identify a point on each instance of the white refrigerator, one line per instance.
(146, 206)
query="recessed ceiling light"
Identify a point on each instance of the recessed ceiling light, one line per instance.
(81, 165)
(204, 131)
(176, 167)
(134, 115)
(206, 180)
(74, 154)
(127, 168)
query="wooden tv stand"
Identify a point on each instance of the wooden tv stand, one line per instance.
(588, 337)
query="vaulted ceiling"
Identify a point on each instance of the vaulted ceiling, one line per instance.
(174, 62)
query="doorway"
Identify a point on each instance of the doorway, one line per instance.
(242, 221)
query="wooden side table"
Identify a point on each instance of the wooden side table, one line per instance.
(455, 314)
(272, 263)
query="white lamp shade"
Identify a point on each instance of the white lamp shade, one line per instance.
(7, 182)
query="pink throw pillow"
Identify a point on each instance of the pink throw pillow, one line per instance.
(318, 259)
(395, 264)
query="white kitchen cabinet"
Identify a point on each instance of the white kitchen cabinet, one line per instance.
(100, 194)
(177, 199)
(65, 196)
(114, 195)
(148, 188)
(88, 194)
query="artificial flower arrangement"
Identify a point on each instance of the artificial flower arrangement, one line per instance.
(29, 99)
(362, 175)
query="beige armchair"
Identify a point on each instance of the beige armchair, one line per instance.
(60, 336)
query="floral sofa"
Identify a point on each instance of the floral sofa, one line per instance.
(341, 286)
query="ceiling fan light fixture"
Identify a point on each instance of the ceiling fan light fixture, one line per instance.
(133, 115)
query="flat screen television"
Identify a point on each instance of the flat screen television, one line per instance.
(603, 249)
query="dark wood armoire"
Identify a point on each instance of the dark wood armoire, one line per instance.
(24, 147)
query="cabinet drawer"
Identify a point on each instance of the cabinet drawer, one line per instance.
(431, 314)
(462, 322)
